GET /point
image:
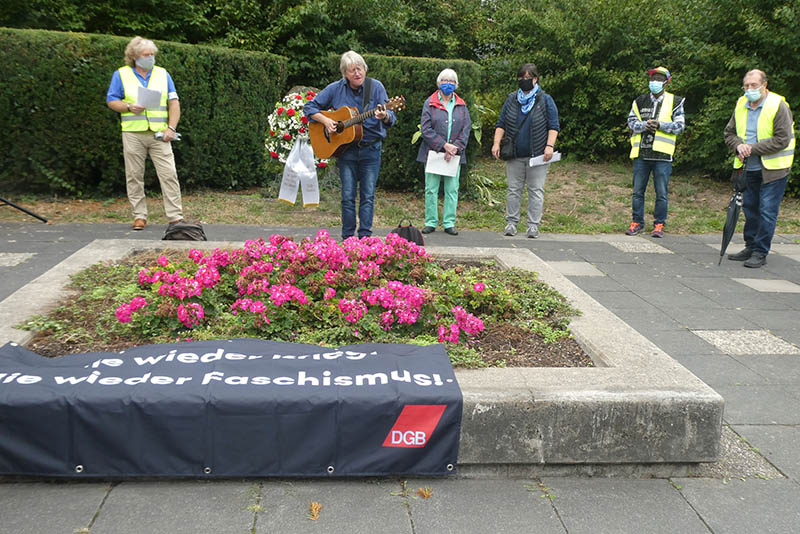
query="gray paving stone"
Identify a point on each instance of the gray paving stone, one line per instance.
(645, 320)
(638, 278)
(737, 459)
(37, 508)
(776, 320)
(353, 506)
(792, 336)
(769, 286)
(750, 506)
(496, 506)
(192, 506)
(686, 298)
(776, 369)
(626, 300)
(616, 506)
(747, 342)
(719, 370)
(753, 301)
(555, 254)
(677, 341)
(715, 319)
(592, 284)
(640, 246)
(778, 443)
(575, 268)
(761, 404)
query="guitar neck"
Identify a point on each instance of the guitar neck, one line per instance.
(361, 117)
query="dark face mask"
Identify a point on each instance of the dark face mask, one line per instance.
(526, 84)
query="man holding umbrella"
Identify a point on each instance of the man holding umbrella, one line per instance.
(760, 132)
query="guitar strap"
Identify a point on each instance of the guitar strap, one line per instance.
(366, 93)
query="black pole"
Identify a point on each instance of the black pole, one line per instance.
(4, 202)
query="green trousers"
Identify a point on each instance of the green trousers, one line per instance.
(432, 182)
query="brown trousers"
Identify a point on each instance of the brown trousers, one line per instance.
(136, 146)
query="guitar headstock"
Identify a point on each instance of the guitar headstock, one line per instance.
(395, 103)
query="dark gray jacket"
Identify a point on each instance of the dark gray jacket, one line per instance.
(434, 127)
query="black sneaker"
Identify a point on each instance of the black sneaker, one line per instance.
(428, 229)
(756, 260)
(742, 255)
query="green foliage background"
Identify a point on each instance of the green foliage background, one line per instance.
(61, 136)
(592, 54)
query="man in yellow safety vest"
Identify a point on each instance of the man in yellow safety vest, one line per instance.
(760, 132)
(656, 118)
(140, 126)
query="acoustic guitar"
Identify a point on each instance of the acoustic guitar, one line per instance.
(348, 128)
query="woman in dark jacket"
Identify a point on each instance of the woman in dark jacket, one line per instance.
(445, 128)
(527, 127)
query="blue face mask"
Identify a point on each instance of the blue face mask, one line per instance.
(656, 87)
(145, 62)
(753, 95)
(447, 88)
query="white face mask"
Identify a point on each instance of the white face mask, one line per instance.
(146, 62)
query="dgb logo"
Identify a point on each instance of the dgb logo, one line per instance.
(414, 425)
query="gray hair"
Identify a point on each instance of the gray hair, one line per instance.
(760, 72)
(350, 58)
(447, 74)
(136, 47)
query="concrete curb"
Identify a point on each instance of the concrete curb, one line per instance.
(637, 406)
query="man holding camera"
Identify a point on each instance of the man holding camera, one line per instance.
(140, 126)
(655, 120)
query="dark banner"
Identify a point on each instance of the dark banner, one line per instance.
(243, 407)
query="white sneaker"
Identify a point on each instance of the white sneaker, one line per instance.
(511, 229)
(533, 232)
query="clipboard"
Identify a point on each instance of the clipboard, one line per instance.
(539, 160)
(149, 98)
(437, 165)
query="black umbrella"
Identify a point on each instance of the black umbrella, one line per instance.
(734, 208)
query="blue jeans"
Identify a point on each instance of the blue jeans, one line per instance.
(358, 170)
(641, 175)
(760, 203)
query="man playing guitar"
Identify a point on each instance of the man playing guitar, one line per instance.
(360, 163)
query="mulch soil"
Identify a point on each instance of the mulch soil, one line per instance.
(503, 344)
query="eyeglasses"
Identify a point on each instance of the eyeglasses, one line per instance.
(752, 86)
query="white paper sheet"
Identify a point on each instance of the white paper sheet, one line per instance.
(539, 160)
(437, 165)
(149, 98)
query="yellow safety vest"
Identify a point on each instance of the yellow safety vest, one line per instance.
(779, 160)
(663, 142)
(155, 120)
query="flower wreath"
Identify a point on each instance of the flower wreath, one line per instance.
(288, 123)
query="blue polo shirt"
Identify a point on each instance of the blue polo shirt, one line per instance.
(751, 134)
(339, 94)
(117, 92)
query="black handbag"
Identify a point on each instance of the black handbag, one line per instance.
(184, 231)
(506, 148)
(409, 233)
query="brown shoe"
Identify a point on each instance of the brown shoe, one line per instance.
(176, 221)
(139, 224)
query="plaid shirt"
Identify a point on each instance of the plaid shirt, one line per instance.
(676, 126)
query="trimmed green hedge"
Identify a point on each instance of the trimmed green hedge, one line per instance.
(415, 79)
(60, 136)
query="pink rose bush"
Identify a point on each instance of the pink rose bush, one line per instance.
(314, 289)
